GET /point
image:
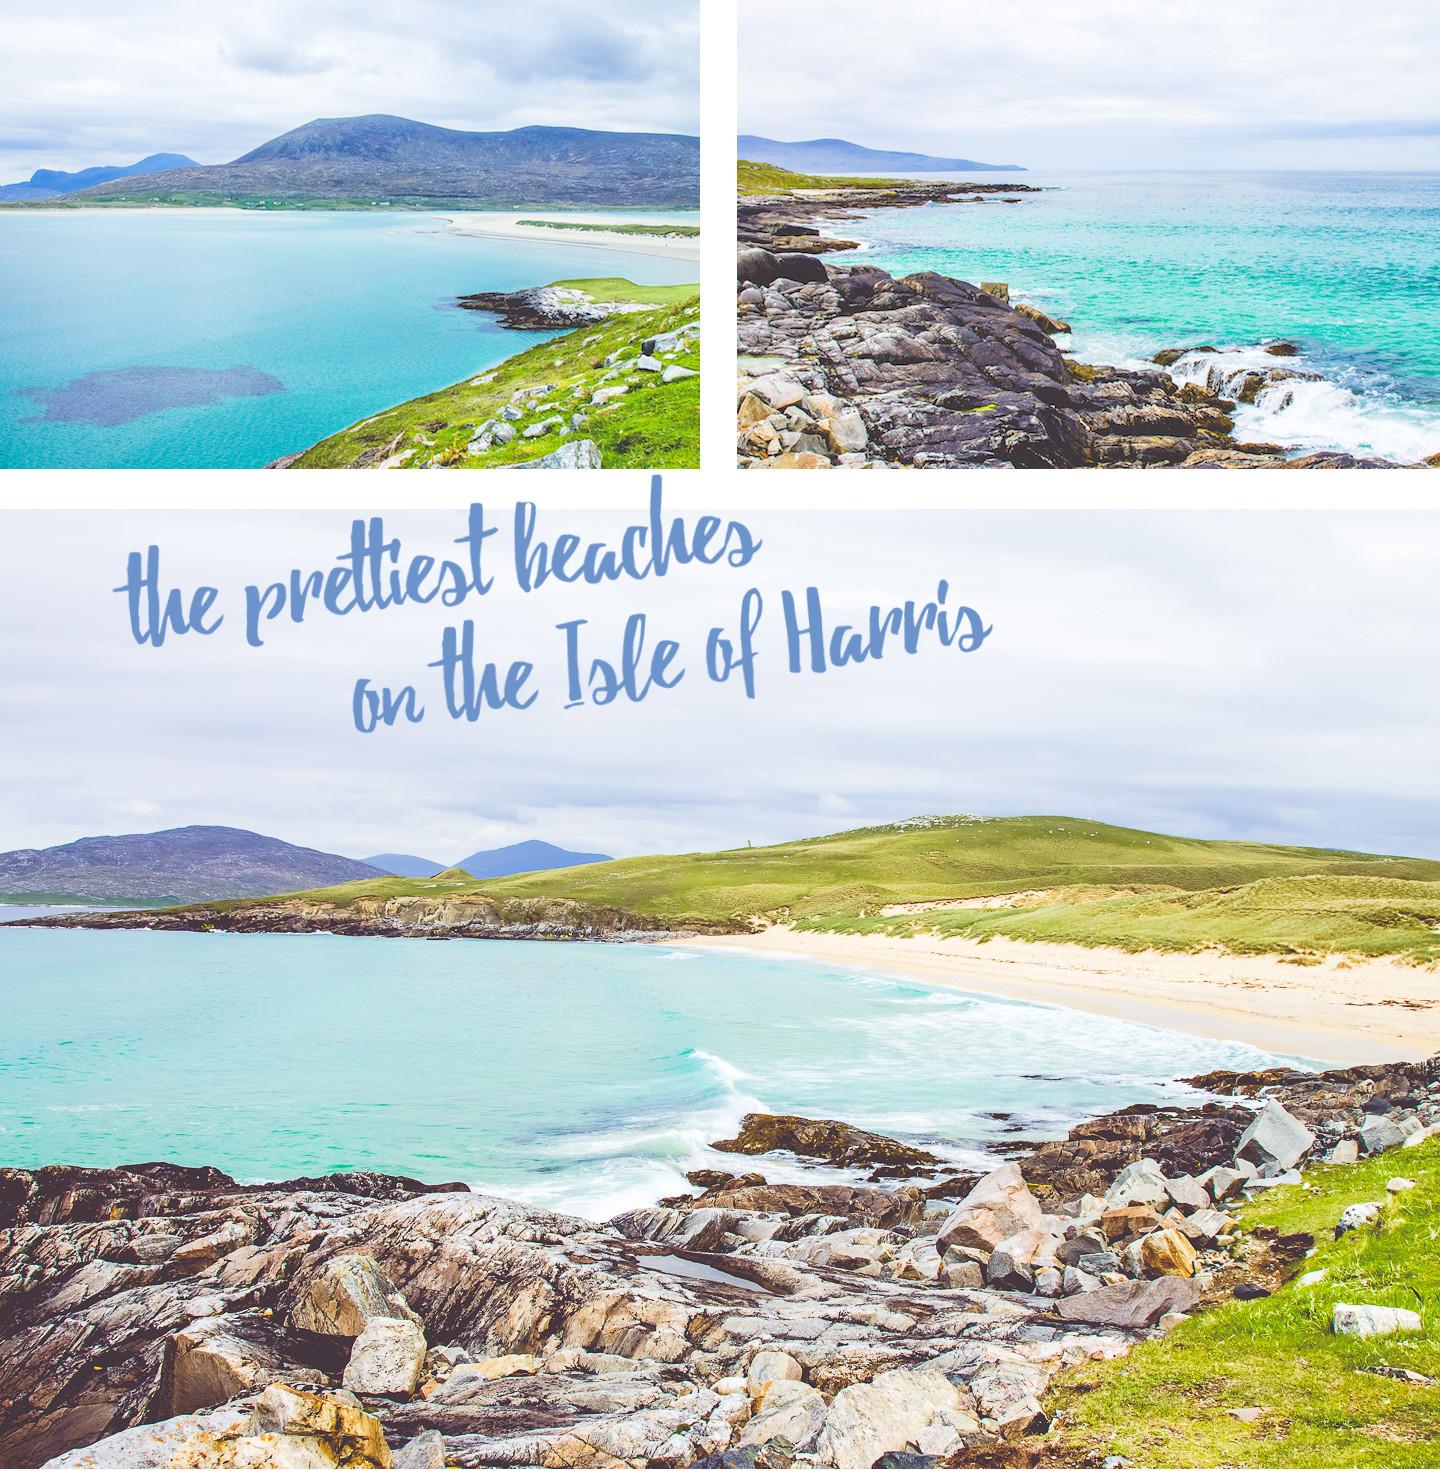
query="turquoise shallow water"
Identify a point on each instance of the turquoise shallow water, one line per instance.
(330, 317)
(589, 1077)
(1345, 265)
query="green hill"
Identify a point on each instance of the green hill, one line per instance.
(648, 424)
(769, 178)
(1055, 879)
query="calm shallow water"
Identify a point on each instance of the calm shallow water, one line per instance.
(327, 317)
(589, 1077)
(1345, 265)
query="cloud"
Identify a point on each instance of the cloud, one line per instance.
(1109, 84)
(1245, 675)
(77, 89)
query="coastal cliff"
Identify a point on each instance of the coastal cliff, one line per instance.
(848, 365)
(161, 1315)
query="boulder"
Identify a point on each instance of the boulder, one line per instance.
(999, 1206)
(779, 391)
(386, 1358)
(579, 454)
(281, 1426)
(1131, 1305)
(1380, 1134)
(1141, 1183)
(342, 1298)
(1188, 1193)
(768, 1366)
(1168, 1253)
(1345, 1152)
(212, 1363)
(1017, 1258)
(423, 1452)
(1398, 1184)
(1276, 1140)
(1355, 1216)
(795, 266)
(1224, 1183)
(756, 267)
(1364, 1320)
(788, 1408)
(1126, 1221)
(865, 1421)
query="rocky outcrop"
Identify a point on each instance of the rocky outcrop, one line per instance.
(545, 308)
(470, 916)
(156, 1315)
(844, 364)
(830, 1140)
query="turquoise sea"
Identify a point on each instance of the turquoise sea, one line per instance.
(285, 327)
(588, 1077)
(1347, 266)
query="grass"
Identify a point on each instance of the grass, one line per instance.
(1169, 1402)
(665, 231)
(654, 426)
(1091, 883)
(769, 178)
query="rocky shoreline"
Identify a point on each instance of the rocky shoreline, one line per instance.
(847, 365)
(477, 917)
(545, 308)
(158, 1315)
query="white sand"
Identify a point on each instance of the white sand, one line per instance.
(508, 227)
(1347, 1010)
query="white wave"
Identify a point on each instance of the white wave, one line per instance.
(1315, 412)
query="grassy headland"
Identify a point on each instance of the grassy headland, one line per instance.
(652, 425)
(1053, 879)
(664, 232)
(1323, 1399)
(769, 178)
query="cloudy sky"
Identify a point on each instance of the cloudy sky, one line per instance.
(89, 82)
(1110, 83)
(1246, 675)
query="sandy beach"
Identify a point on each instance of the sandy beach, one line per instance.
(1345, 1011)
(508, 227)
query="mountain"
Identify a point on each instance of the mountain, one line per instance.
(404, 865)
(382, 159)
(177, 865)
(52, 183)
(836, 156)
(527, 857)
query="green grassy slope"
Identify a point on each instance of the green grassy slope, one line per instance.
(769, 178)
(667, 232)
(653, 426)
(1086, 882)
(1169, 1403)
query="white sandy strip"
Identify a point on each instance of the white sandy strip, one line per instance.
(1347, 1010)
(508, 227)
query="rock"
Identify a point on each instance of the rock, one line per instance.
(1000, 1205)
(865, 1421)
(675, 372)
(212, 1363)
(386, 1358)
(280, 1427)
(1188, 1193)
(999, 290)
(502, 1366)
(1249, 1292)
(1015, 1260)
(578, 454)
(845, 431)
(1126, 1221)
(788, 1408)
(1355, 1216)
(756, 267)
(1224, 1183)
(1139, 1184)
(647, 364)
(962, 1274)
(425, 1452)
(1310, 1279)
(1363, 1320)
(768, 1366)
(1076, 1279)
(347, 1292)
(1131, 1305)
(605, 395)
(1045, 323)
(1282, 349)
(1168, 1253)
(828, 1139)
(1275, 1139)
(1380, 1134)
(779, 392)
(797, 267)
(1345, 1152)
(1398, 1184)
(1207, 1225)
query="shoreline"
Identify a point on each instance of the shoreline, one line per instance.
(1343, 1012)
(505, 225)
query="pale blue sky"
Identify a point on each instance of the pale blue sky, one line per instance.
(1110, 84)
(1248, 675)
(88, 82)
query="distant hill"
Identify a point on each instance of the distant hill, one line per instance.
(527, 857)
(382, 159)
(177, 865)
(52, 183)
(404, 865)
(818, 155)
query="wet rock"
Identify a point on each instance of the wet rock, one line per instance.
(827, 1139)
